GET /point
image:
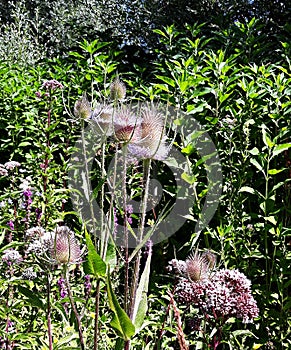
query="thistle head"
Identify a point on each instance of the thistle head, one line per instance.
(64, 248)
(82, 108)
(210, 258)
(117, 90)
(126, 125)
(197, 267)
(102, 118)
(152, 141)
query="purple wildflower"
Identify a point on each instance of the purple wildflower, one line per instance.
(29, 274)
(225, 294)
(27, 194)
(11, 165)
(11, 256)
(62, 287)
(38, 214)
(52, 85)
(3, 171)
(87, 284)
(10, 224)
(129, 211)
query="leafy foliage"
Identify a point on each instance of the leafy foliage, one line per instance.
(234, 83)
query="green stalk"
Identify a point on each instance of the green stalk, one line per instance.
(49, 320)
(125, 230)
(268, 285)
(87, 177)
(146, 176)
(78, 318)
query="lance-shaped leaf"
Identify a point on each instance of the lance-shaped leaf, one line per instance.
(120, 322)
(95, 263)
(141, 300)
(32, 297)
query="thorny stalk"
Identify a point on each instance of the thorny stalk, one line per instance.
(78, 318)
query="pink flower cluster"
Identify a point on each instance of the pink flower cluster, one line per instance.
(219, 293)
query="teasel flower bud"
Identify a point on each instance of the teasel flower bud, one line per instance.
(117, 90)
(197, 267)
(82, 108)
(210, 258)
(65, 248)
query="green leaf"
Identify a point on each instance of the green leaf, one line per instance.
(183, 85)
(32, 297)
(247, 189)
(271, 219)
(188, 150)
(120, 322)
(275, 171)
(244, 332)
(254, 151)
(280, 148)
(256, 164)
(190, 179)
(167, 80)
(95, 263)
(141, 303)
(266, 139)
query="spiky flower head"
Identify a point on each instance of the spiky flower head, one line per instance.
(82, 108)
(152, 141)
(126, 125)
(197, 267)
(210, 258)
(117, 90)
(65, 248)
(102, 118)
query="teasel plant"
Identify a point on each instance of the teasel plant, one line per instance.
(137, 135)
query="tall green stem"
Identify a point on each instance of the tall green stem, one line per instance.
(146, 176)
(78, 319)
(49, 319)
(87, 177)
(125, 230)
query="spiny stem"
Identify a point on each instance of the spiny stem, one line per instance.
(96, 326)
(87, 177)
(125, 230)
(49, 321)
(146, 174)
(66, 272)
